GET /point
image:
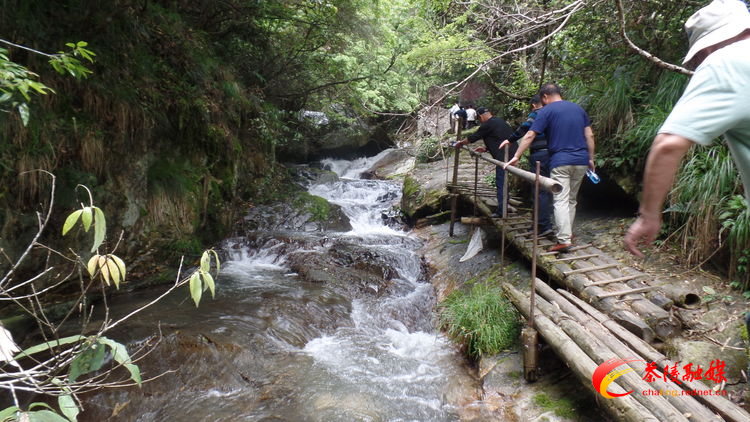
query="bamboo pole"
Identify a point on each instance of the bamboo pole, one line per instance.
(728, 410)
(545, 182)
(684, 404)
(454, 197)
(624, 408)
(599, 352)
(620, 312)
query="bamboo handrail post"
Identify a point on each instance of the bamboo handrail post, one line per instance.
(454, 197)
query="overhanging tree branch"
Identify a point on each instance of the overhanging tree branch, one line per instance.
(659, 62)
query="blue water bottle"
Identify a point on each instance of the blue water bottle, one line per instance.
(593, 176)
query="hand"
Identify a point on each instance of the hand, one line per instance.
(480, 150)
(511, 162)
(503, 144)
(592, 166)
(643, 230)
(459, 144)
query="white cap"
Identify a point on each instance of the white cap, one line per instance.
(717, 22)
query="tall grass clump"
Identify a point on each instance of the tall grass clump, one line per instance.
(481, 319)
(704, 214)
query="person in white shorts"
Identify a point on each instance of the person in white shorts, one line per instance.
(716, 102)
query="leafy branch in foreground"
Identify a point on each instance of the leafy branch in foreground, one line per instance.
(17, 83)
(65, 366)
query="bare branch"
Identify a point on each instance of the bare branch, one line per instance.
(659, 62)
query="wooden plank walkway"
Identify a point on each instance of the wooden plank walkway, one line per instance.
(609, 311)
(620, 291)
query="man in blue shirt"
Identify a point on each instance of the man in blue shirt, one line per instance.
(570, 141)
(539, 152)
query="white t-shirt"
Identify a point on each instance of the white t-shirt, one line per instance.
(471, 114)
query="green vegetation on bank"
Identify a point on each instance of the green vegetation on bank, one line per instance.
(479, 317)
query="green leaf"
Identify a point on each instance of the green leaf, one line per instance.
(92, 264)
(218, 263)
(45, 416)
(71, 221)
(23, 110)
(709, 290)
(120, 355)
(86, 218)
(100, 228)
(8, 413)
(68, 407)
(113, 270)
(34, 405)
(209, 282)
(49, 345)
(205, 262)
(90, 360)
(195, 288)
(120, 265)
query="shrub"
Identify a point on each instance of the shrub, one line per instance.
(481, 319)
(428, 150)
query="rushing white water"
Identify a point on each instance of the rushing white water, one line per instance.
(272, 347)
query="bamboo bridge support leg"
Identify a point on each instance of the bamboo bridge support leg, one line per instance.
(529, 334)
(504, 207)
(454, 197)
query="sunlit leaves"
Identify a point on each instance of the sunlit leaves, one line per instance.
(120, 355)
(88, 215)
(202, 279)
(89, 360)
(68, 407)
(17, 83)
(49, 345)
(109, 267)
(67, 62)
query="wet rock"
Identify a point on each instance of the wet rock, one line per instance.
(354, 269)
(703, 353)
(424, 194)
(305, 213)
(311, 175)
(394, 164)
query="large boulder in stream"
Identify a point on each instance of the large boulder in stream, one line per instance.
(355, 269)
(394, 164)
(425, 192)
(301, 211)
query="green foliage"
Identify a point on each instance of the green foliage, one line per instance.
(202, 280)
(481, 319)
(428, 150)
(490, 179)
(17, 83)
(68, 63)
(562, 407)
(319, 208)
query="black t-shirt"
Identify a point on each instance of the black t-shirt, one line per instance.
(493, 131)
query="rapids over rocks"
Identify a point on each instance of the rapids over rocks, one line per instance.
(306, 326)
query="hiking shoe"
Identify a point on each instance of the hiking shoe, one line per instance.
(561, 247)
(496, 215)
(546, 233)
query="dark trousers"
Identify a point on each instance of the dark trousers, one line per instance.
(500, 175)
(545, 197)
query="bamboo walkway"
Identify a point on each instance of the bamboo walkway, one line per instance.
(607, 310)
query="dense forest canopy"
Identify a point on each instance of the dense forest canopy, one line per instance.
(191, 104)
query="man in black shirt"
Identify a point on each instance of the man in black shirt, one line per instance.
(493, 131)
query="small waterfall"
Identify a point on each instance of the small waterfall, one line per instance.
(274, 347)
